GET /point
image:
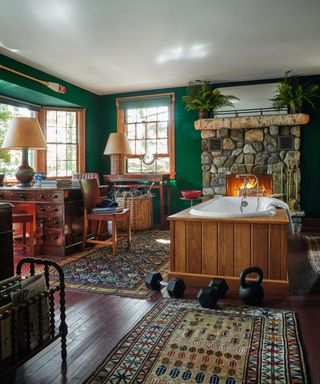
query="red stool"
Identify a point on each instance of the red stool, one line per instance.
(25, 218)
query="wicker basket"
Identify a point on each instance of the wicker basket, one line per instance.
(141, 212)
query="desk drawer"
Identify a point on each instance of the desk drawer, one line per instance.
(48, 210)
(50, 237)
(17, 196)
(50, 196)
(49, 222)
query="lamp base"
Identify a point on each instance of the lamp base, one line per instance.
(24, 173)
(117, 164)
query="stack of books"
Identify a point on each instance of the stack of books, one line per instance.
(57, 183)
(75, 183)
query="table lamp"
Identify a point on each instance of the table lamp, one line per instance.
(117, 147)
(24, 133)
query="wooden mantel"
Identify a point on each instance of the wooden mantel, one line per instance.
(250, 122)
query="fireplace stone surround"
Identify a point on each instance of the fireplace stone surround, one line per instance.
(253, 150)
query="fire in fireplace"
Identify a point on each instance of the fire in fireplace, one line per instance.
(235, 185)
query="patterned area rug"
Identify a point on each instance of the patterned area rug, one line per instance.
(180, 342)
(100, 272)
(313, 245)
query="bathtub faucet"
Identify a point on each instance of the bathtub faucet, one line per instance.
(245, 189)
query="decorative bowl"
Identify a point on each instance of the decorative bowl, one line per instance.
(192, 194)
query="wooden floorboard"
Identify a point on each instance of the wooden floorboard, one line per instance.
(98, 322)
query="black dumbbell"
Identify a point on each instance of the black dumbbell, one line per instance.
(174, 287)
(209, 296)
(219, 285)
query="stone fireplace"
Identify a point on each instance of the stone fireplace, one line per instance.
(271, 152)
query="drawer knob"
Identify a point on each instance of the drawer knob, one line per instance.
(53, 236)
(56, 209)
(42, 209)
(56, 222)
(22, 196)
(41, 196)
(55, 196)
(42, 221)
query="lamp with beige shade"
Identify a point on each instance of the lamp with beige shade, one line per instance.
(24, 133)
(117, 147)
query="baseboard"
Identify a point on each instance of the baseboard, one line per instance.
(310, 224)
(278, 287)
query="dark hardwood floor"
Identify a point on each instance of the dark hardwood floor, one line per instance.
(98, 322)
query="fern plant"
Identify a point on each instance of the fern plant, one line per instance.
(202, 97)
(292, 94)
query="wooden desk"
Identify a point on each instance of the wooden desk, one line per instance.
(6, 242)
(159, 180)
(58, 216)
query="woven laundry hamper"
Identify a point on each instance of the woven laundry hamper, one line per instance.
(141, 211)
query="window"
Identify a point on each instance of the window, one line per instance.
(149, 124)
(11, 159)
(64, 134)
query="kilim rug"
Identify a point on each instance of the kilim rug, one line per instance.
(180, 342)
(124, 274)
(313, 246)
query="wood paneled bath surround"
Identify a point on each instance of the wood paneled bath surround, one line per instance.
(203, 247)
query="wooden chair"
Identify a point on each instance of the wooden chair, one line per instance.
(24, 219)
(87, 176)
(91, 196)
(92, 175)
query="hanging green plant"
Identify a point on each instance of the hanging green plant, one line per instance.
(292, 94)
(205, 99)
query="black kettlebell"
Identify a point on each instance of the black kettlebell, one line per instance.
(251, 293)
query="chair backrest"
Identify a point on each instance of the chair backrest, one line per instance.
(90, 193)
(87, 176)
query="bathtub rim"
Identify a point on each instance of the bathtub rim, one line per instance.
(280, 217)
(222, 215)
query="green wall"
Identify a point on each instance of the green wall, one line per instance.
(18, 87)
(310, 157)
(101, 120)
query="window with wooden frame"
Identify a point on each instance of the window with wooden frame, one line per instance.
(64, 132)
(148, 121)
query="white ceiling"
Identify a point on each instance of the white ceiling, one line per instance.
(111, 46)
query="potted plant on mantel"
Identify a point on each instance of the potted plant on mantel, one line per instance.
(292, 94)
(205, 99)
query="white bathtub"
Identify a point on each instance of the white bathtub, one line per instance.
(230, 207)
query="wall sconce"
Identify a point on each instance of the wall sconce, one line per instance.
(117, 147)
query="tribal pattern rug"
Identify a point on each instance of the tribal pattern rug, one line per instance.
(98, 271)
(313, 246)
(180, 342)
